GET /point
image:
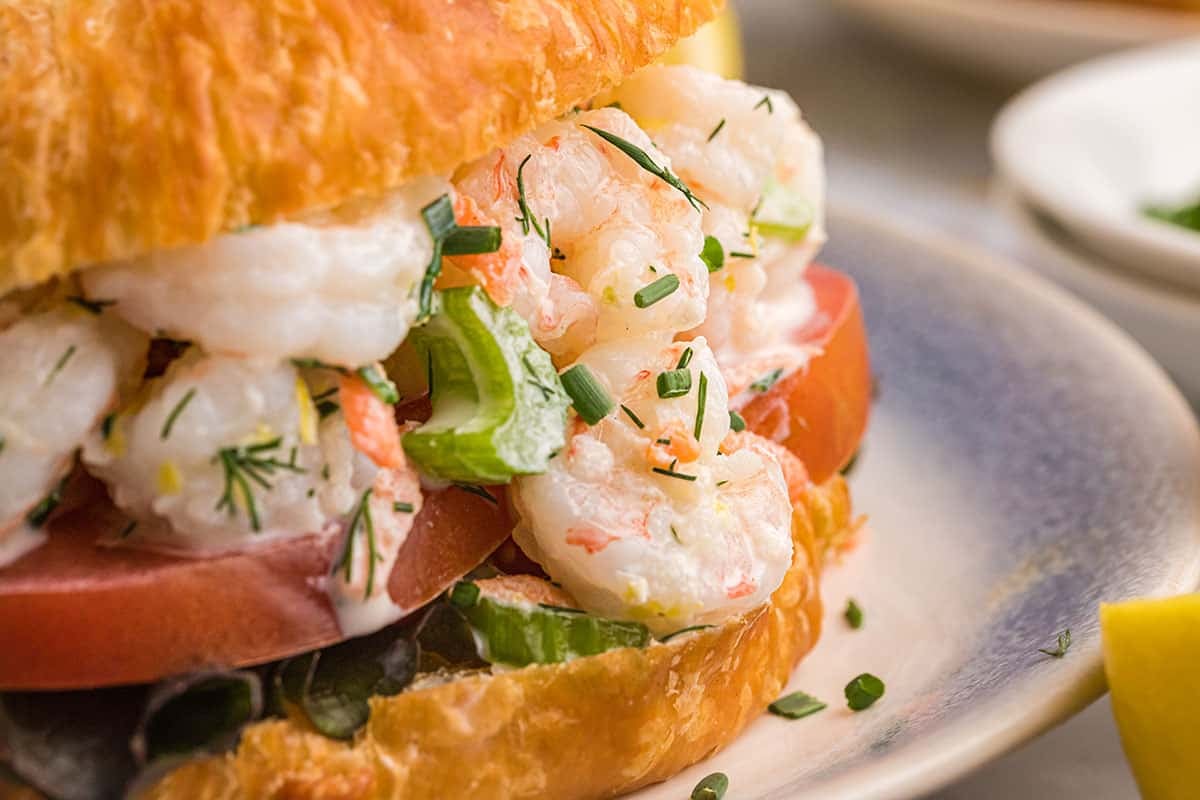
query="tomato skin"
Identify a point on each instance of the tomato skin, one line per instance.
(820, 412)
(76, 615)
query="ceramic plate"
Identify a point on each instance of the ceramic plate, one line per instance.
(1164, 319)
(1021, 39)
(1099, 142)
(1026, 460)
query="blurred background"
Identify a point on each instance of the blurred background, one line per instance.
(905, 94)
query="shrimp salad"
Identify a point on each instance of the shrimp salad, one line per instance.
(571, 304)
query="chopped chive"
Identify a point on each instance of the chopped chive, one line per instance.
(37, 517)
(478, 491)
(766, 101)
(62, 362)
(629, 413)
(91, 306)
(713, 254)
(439, 219)
(325, 472)
(175, 412)
(674, 383)
(711, 787)
(651, 293)
(643, 160)
(1064, 644)
(469, 240)
(796, 705)
(3, 441)
(128, 529)
(675, 535)
(327, 407)
(740, 254)
(682, 631)
(106, 426)
(721, 483)
(736, 423)
(701, 400)
(765, 383)
(853, 614)
(243, 464)
(716, 130)
(863, 691)
(402, 507)
(311, 492)
(380, 384)
(671, 473)
(591, 401)
(373, 553)
(527, 218)
(662, 441)
(685, 358)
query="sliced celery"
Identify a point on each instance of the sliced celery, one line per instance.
(517, 634)
(783, 213)
(499, 409)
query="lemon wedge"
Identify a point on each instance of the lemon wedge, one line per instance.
(1152, 660)
(716, 47)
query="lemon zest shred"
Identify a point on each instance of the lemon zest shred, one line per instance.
(170, 479)
(114, 443)
(308, 413)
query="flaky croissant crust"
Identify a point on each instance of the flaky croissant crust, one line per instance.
(128, 126)
(590, 728)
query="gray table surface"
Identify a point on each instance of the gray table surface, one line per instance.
(906, 137)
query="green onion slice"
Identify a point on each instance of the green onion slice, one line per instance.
(592, 403)
(736, 423)
(517, 634)
(469, 240)
(711, 787)
(796, 705)
(674, 383)
(863, 691)
(651, 293)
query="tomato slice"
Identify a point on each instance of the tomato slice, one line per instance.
(77, 615)
(820, 412)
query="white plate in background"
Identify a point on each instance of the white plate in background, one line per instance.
(1094, 145)
(1020, 40)
(1025, 461)
(1164, 319)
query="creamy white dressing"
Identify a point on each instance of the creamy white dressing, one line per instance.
(358, 617)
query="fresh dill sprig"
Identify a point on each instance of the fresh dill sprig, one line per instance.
(643, 160)
(244, 464)
(527, 219)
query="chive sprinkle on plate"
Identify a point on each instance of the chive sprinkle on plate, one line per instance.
(796, 705)
(863, 691)
(711, 787)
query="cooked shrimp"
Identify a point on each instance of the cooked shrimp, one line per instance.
(333, 286)
(729, 141)
(231, 451)
(640, 517)
(591, 229)
(62, 370)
